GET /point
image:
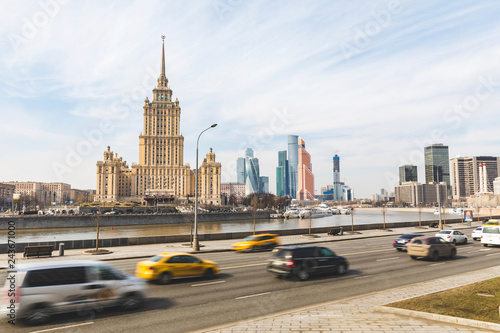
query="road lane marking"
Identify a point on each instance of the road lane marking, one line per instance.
(373, 251)
(206, 284)
(63, 327)
(440, 263)
(384, 259)
(261, 294)
(485, 250)
(493, 254)
(362, 277)
(249, 265)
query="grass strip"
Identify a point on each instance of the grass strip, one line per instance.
(478, 301)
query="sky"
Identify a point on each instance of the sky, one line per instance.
(372, 81)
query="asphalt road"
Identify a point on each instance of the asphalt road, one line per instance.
(245, 290)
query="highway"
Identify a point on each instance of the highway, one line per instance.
(245, 290)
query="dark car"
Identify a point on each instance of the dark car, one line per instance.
(400, 242)
(304, 261)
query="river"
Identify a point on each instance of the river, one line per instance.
(360, 217)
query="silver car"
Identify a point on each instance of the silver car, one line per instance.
(33, 292)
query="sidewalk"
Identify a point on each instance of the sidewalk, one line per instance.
(364, 313)
(145, 251)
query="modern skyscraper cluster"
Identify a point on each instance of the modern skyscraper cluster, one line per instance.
(248, 173)
(294, 177)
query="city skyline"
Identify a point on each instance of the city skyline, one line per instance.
(373, 85)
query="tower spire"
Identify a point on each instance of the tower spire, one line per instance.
(163, 55)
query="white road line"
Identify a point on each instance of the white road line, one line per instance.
(485, 250)
(261, 294)
(384, 259)
(63, 327)
(440, 263)
(206, 284)
(249, 265)
(362, 277)
(493, 254)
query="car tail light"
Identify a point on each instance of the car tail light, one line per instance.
(12, 293)
(394, 241)
(152, 268)
(290, 263)
(448, 236)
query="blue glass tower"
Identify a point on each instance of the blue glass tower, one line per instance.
(293, 163)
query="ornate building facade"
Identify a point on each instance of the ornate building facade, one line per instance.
(161, 172)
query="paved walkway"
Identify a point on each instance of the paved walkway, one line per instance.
(354, 315)
(363, 313)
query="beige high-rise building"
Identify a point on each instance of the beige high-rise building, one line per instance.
(161, 172)
(466, 175)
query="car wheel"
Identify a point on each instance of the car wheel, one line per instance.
(453, 253)
(131, 301)
(40, 314)
(165, 278)
(303, 275)
(465, 241)
(413, 257)
(454, 242)
(209, 273)
(399, 249)
(341, 269)
(435, 256)
(485, 245)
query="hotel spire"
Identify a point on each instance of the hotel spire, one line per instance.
(163, 56)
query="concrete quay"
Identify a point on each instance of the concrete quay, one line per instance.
(364, 313)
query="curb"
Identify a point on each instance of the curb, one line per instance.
(438, 317)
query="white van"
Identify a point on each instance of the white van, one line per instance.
(33, 292)
(490, 235)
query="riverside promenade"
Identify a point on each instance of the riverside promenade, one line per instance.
(364, 313)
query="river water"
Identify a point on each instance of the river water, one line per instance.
(360, 217)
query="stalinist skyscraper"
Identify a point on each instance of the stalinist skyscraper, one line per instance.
(161, 172)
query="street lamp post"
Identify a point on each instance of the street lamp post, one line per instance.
(196, 244)
(439, 195)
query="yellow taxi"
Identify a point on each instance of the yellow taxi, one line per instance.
(167, 266)
(490, 223)
(257, 242)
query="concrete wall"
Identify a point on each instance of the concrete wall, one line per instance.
(111, 242)
(48, 222)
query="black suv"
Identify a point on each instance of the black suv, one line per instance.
(303, 261)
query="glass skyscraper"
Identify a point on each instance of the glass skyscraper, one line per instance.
(252, 184)
(407, 173)
(240, 170)
(293, 163)
(437, 164)
(282, 175)
(337, 192)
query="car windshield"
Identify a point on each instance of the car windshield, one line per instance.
(478, 229)
(491, 230)
(156, 258)
(251, 238)
(444, 232)
(407, 236)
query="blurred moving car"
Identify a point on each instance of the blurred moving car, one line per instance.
(43, 289)
(476, 233)
(430, 247)
(452, 236)
(167, 266)
(491, 222)
(491, 235)
(400, 242)
(304, 261)
(257, 242)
